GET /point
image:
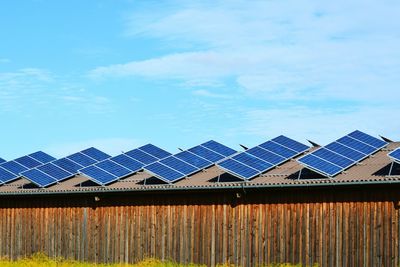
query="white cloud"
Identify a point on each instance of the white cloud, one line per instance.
(275, 49)
(112, 146)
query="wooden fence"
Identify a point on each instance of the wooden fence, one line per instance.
(331, 227)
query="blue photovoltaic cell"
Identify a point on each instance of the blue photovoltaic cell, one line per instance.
(163, 172)
(278, 149)
(141, 156)
(127, 162)
(113, 168)
(155, 151)
(260, 159)
(42, 157)
(28, 162)
(320, 165)
(266, 155)
(370, 140)
(342, 153)
(238, 169)
(96, 154)
(345, 151)
(54, 172)
(98, 175)
(290, 143)
(13, 167)
(2, 160)
(395, 155)
(39, 178)
(67, 165)
(6, 176)
(193, 159)
(252, 162)
(81, 159)
(206, 153)
(333, 157)
(357, 145)
(219, 148)
(179, 165)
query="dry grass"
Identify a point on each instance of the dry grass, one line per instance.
(41, 260)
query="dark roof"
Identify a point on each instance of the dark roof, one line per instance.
(372, 170)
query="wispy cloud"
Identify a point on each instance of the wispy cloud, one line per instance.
(206, 93)
(275, 50)
(28, 88)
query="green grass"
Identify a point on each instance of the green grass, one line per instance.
(41, 260)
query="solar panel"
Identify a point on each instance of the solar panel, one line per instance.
(261, 158)
(68, 165)
(141, 156)
(155, 151)
(95, 154)
(163, 172)
(82, 159)
(395, 155)
(188, 162)
(219, 148)
(41, 157)
(55, 172)
(127, 162)
(28, 162)
(39, 178)
(2, 160)
(118, 167)
(14, 167)
(6, 176)
(179, 165)
(113, 168)
(98, 175)
(193, 159)
(342, 153)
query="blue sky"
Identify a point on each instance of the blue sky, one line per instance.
(119, 74)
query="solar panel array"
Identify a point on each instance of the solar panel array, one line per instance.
(395, 155)
(118, 167)
(259, 159)
(11, 170)
(183, 164)
(64, 168)
(342, 153)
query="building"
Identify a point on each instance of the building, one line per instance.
(213, 217)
